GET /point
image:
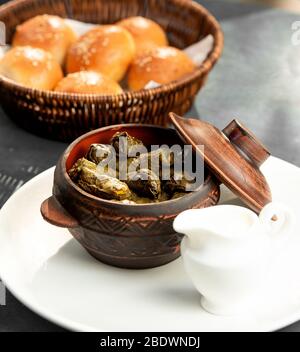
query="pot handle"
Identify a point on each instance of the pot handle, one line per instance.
(55, 214)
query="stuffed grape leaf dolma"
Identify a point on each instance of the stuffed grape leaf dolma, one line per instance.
(85, 174)
(104, 156)
(76, 169)
(177, 183)
(124, 143)
(99, 152)
(140, 177)
(145, 183)
(103, 186)
(157, 161)
(127, 149)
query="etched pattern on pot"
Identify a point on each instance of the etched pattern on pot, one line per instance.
(105, 233)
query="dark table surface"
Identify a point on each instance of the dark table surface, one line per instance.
(257, 81)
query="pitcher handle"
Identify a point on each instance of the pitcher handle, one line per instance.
(277, 219)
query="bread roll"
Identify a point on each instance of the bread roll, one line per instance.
(107, 49)
(88, 82)
(31, 67)
(162, 65)
(50, 33)
(146, 33)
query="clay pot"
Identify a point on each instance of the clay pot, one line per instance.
(127, 236)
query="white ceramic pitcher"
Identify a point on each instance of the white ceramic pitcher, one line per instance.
(226, 252)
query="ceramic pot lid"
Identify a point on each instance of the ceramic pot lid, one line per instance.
(233, 156)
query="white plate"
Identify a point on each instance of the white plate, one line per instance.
(51, 274)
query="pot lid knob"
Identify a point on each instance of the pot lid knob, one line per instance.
(246, 142)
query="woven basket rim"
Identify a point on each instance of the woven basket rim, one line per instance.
(140, 94)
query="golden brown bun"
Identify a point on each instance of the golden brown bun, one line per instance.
(162, 65)
(146, 33)
(107, 49)
(31, 67)
(88, 82)
(50, 33)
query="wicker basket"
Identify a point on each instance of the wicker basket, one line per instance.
(65, 116)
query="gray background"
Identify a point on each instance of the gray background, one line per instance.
(257, 81)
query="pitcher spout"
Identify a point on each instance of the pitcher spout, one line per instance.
(188, 223)
(181, 225)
